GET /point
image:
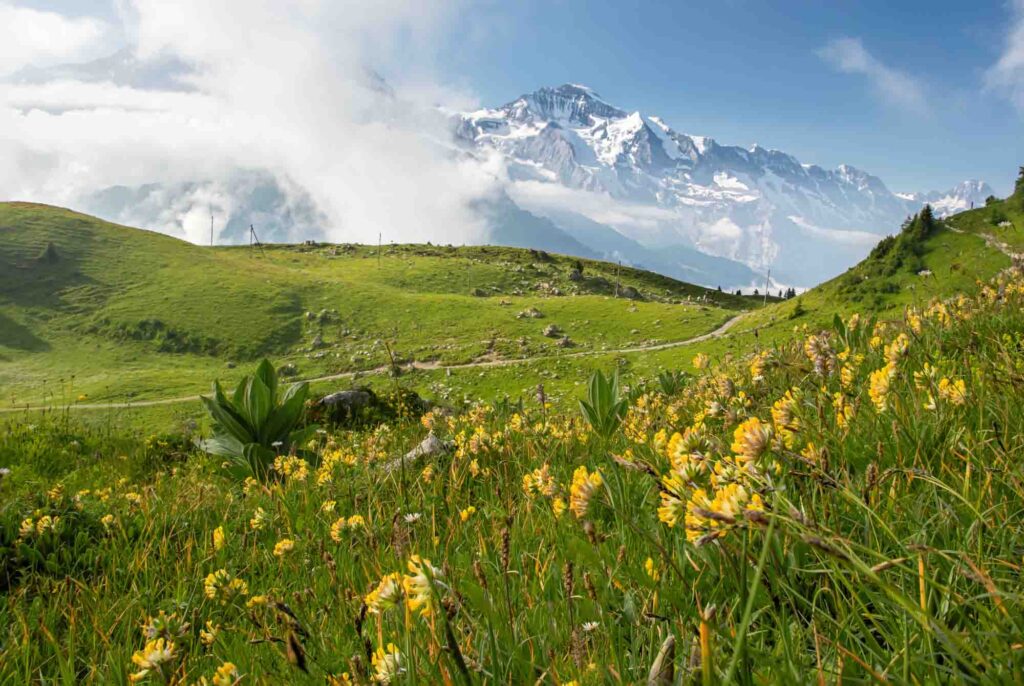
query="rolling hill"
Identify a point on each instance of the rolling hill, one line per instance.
(110, 312)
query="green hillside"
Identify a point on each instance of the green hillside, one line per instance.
(114, 313)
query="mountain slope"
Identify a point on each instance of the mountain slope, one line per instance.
(663, 189)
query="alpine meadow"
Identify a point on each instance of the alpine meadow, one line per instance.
(623, 406)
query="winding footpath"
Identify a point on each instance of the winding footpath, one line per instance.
(421, 366)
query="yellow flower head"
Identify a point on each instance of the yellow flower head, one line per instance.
(226, 675)
(751, 439)
(584, 486)
(222, 586)
(386, 595)
(387, 664)
(419, 585)
(878, 388)
(152, 658)
(283, 547)
(259, 519)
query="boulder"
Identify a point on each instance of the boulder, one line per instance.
(552, 331)
(630, 293)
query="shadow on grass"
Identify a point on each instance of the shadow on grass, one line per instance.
(19, 337)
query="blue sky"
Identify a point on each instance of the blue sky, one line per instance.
(903, 90)
(746, 71)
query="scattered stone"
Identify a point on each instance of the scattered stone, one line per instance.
(478, 293)
(575, 275)
(552, 331)
(318, 342)
(530, 313)
(431, 445)
(288, 369)
(564, 342)
(231, 364)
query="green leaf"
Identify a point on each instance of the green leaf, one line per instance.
(228, 421)
(286, 415)
(258, 404)
(266, 373)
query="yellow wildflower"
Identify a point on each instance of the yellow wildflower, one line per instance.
(387, 664)
(879, 384)
(208, 635)
(152, 658)
(226, 675)
(652, 569)
(418, 585)
(751, 439)
(283, 547)
(259, 519)
(223, 586)
(386, 595)
(218, 538)
(583, 487)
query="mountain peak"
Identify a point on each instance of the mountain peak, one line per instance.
(569, 102)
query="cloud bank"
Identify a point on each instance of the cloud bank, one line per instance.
(268, 87)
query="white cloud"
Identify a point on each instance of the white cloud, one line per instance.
(272, 86)
(895, 87)
(1006, 76)
(34, 37)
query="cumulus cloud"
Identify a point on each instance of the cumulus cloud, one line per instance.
(895, 87)
(1006, 76)
(34, 37)
(282, 88)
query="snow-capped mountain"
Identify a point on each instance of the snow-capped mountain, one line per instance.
(964, 196)
(570, 152)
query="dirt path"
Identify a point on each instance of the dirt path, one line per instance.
(423, 366)
(994, 242)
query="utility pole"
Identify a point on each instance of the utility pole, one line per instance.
(211, 227)
(380, 240)
(767, 280)
(254, 239)
(618, 264)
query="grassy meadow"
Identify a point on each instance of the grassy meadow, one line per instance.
(830, 492)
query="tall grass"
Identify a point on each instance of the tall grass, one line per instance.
(843, 507)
